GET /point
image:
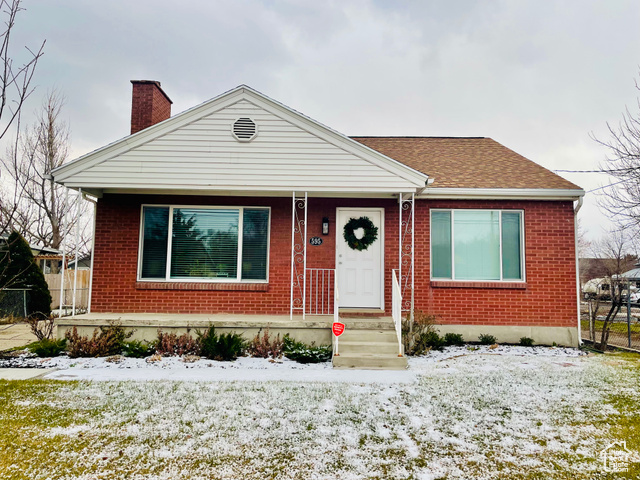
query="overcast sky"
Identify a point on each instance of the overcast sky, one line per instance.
(536, 75)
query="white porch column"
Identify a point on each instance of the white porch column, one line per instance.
(400, 240)
(93, 249)
(304, 271)
(298, 254)
(64, 255)
(413, 249)
(75, 271)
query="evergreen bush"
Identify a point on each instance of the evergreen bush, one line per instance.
(487, 339)
(18, 270)
(526, 341)
(454, 339)
(223, 347)
(303, 353)
(429, 340)
(138, 349)
(48, 348)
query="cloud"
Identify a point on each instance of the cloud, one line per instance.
(536, 76)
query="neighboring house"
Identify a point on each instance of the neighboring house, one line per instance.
(48, 259)
(591, 267)
(238, 206)
(84, 263)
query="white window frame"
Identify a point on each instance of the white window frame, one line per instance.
(167, 278)
(453, 248)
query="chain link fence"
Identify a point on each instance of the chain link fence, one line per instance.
(625, 328)
(14, 302)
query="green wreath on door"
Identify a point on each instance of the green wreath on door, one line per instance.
(370, 233)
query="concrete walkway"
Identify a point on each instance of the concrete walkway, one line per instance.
(24, 373)
(15, 335)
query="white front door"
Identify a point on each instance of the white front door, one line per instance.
(360, 272)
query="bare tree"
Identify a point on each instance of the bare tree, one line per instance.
(613, 250)
(622, 198)
(16, 75)
(42, 214)
(15, 88)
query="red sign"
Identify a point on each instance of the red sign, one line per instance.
(337, 328)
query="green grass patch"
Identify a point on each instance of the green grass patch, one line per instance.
(625, 424)
(28, 409)
(618, 327)
(511, 422)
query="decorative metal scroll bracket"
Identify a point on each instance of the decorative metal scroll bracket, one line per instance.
(298, 254)
(406, 249)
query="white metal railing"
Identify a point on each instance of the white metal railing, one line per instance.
(336, 299)
(396, 309)
(321, 291)
(336, 315)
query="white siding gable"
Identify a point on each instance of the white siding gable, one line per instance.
(200, 153)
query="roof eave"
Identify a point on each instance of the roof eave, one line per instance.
(502, 193)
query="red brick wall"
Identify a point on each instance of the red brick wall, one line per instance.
(549, 297)
(149, 105)
(116, 261)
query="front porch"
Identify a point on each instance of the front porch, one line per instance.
(304, 290)
(327, 273)
(313, 328)
(369, 342)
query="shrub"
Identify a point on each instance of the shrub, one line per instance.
(223, 347)
(41, 327)
(138, 349)
(265, 347)
(419, 333)
(487, 339)
(454, 339)
(303, 353)
(526, 341)
(18, 270)
(430, 340)
(48, 348)
(169, 344)
(105, 341)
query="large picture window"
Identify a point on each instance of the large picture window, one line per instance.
(477, 245)
(204, 243)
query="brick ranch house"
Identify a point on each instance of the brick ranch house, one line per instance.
(234, 213)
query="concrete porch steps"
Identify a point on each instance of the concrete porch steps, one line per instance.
(372, 348)
(367, 314)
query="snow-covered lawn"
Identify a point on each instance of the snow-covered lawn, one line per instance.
(505, 413)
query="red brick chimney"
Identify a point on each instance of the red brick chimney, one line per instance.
(149, 105)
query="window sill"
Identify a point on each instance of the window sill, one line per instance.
(208, 286)
(467, 284)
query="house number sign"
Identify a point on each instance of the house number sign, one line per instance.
(315, 240)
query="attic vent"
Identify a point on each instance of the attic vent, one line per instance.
(245, 129)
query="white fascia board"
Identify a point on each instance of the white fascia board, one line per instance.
(416, 178)
(228, 189)
(501, 193)
(253, 193)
